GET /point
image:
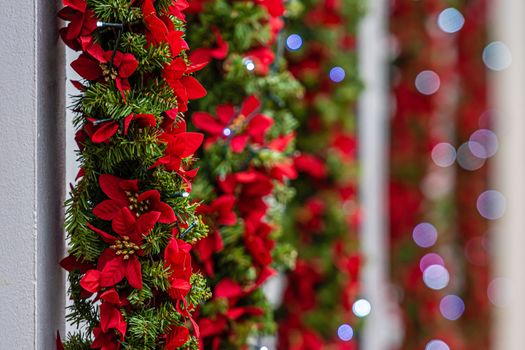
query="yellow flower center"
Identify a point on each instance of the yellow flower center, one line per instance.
(136, 206)
(238, 123)
(124, 247)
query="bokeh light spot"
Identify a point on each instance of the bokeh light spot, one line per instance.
(337, 74)
(491, 204)
(345, 332)
(487, 140)
(427, 82)
(430, 259)
(436, 277)
(437, 345)
(497, 56)
(294, 42)
(425, 235)
(451, 307)
(467, 160)
(361, 308)
(444, 154)
(499, 291)
(450, 20)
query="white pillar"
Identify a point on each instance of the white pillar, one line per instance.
(373, 137)
(508, 91)
(31, 175)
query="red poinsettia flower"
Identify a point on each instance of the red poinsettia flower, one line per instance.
(345, 144)
(239, 128)
(177, 8)
(177, 257)
(125, 194)
(184, 86)
(274, 7)
(179, 145)
(262, 58)
(311, 165)
(205, 248)
(106, 340)
(218, 52)
(250, 187)
(94, 64)
(258, 241)
(111, 318)
(104, 131)
(220, 210)
(177, 337)
(161, 29)
(82, 22)
(120, 259)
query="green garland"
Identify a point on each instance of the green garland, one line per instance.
(245, 66)
(323, 217)
(129, 220)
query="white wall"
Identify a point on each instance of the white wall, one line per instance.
(508, 91)
(31, 175)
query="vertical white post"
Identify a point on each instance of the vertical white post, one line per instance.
(508, 90)
(31, 175)
(373, 126)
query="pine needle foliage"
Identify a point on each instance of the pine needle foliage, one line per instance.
(149, 313)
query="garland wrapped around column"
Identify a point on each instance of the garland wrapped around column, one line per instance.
(323, 218)
(243, 182)
(438, 249)
(130, 223)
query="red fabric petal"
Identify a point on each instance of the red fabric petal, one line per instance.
(192, 141)
(114, 187)
(258, 126)
(126, 63)
(238, 143)
(167, 215)
(91, 281)
(87, 67)
(207, 123)
(146, 222)
(110, 317)
(106, 237)
(104, 132)
(107, 210)
(250, 105)
(124, 222)
(194, 89)
(227, 288)
(177, 337)
(134, 272)
(113, 272)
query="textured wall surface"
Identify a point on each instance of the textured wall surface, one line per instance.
(31, 175)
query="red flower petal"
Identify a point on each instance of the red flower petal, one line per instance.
(91, 281)
(134, 272)
(192, 142)
(227, 288)
(167, 216)
(250, 105)
(177, 337)
(238, 143)
(106, 237)
(107, 209)
(194, 89)
(124, 222)
(207, 123)
(87, 67)
(113, 272)
(114, 187)
(146, 222)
